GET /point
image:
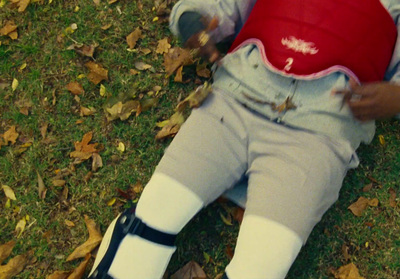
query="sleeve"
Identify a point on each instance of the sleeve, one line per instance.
(393, 71)
(231, 15)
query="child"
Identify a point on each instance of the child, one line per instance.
(292, 100)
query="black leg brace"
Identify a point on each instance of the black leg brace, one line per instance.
(128, 223)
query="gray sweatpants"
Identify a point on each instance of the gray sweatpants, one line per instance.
(294, 176)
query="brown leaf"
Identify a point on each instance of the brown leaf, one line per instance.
(175, 58)
(367, 187)
(84, 150)
(97, 162)
(374, 202)
(349, 271)
(58, 182)
(112, 1)
(6, 249)
(163, 46)
(14, 266)
(8, 28)
(22, 4)
(392, 198)
(41, 187)
(13, 35)
(96, 2)
(85, 50)
(359, 206)
(122, 110)
(178, 77)
(87, 111)
(80, 270)
(196, 97)
(202, 70)
(59, 275)
(92, 242)
(171, 126)
(191, 270)
(75, 88)
(133, 37)
(97, 72)
(10, 135)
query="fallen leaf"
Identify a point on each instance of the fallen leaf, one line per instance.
(19, 229)
(392, 198)
(202, 70)
(367, 187)
(179, 75)
(41, 187)
(163, 46)
(87, 111)
(122, 110)
(107, 26)
(59, 275)
(349, 271)
(9, 192)
(121, 147)
(97, 72)
(175, 58)
(138, 188)
(111, 202)
(103, 90)
(171, 126)
(85, 50)
(58, 182)
(8, 28)
(133, 37)
(14, 266)
(80, 270)
(69, 223)
(191, 270)
(92, 242)
(382, 140)
(84, 150)
(22, 4)
(97, 162)
(227, 220)
(96, 2)
(14, 84)
(141, 66)
(75, 88)
(24, 106)
(195, 98)
(112, 1)
(6, 249)
(359, 206)
(374, 202)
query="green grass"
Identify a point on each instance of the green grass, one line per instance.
(50, 67)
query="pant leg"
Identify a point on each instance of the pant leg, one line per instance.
(294, 177)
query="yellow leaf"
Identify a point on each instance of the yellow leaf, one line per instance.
(41, 187)
(92, 242)
(103, 90)
(21, 226)
(22, 4)
(227, 220)
(8, 204)
(121, 147)
(69, 223)
(155, 19)
(111, 202)
(23, 66)
(2, 3)
(381, 139)
(172, 127)
(76, 9)
(9, 192)
(14, 84)
(81, 76)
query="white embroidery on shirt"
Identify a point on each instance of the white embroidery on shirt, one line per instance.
(289, 63)
(299, 45)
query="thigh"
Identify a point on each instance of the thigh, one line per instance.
(209, 153)
(295, 176)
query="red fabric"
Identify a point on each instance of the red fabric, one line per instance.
(309, 37)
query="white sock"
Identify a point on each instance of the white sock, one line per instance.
(165, 205)
(265, 250)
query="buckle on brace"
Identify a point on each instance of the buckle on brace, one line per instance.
(131, 224)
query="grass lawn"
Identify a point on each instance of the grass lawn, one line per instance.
(47, 219)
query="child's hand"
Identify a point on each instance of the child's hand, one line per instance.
(373, 100)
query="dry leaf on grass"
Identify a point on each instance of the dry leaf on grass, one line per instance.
(191, 270)
(123, 110)
(202, 70)
(133, 37)
(6, 249)
(92, 242)
(163, 46)
(15, 266)
(59, 275)
(196, 97)
(75, 88)
(97, 72)
(349, 271)
(97, 162)
(358, 207)
(175, 58)
(141, 66)
(80, 270)
(9, 192)
(9, 29)
(85, 50)
(10, 135)
(41, 187)
(171, 126)
(84, 149)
